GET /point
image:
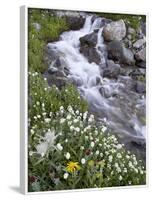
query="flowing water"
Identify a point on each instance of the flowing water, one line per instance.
(116, 106)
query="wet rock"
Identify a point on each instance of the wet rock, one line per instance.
(89, 40)
(129, 37)
(52, 70)
(52, 53)
(114, 31)
(118, 52)
(58, 79)
(128, 57)
(138, 147)
(112, 70)
(74, 19)
(140, 87)
(137, 73)
(102, 23)
(139, 43)
(75, 23)
(91, 54)
(115, 50)
(75, 80)
(141, 55)
(141, 64)
(128, 82)
(143, 27)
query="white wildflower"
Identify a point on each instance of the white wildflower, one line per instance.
(125, 170)
(44, 114)
(104, 129)
(62, 120)
(68, 117)
(38, 103)
(32, 131)
(110, 158)
(47, 120)
(118, 169)
(120, 178)
(136, 170)
(30, 153)
(61, 108)
(77, 129)
(116, 165)
(97, 152)
(50, 137)
(92, 144)
(69, 123)
(83, 160)
(71, 128)
(86, 137)
(130, 164)
(70, 109)
(75, 120)
(82, 147)
(119, 146)
(101, 155)
(77, 112)
(67, 155)
(65, 176)
(66, 140)
(59, 146)
(119, 155)
(42, 148)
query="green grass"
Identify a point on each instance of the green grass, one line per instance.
(51, 28)
(131, 20)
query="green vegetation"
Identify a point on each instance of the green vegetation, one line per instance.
(67, 150)
(49, 28)
(131, 20)
(141, 78)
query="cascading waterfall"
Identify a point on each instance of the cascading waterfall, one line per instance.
(92, 85)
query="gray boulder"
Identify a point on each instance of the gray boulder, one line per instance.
(140, 87)
(114, 31)
(90, 40)
(118, 52)
(75, 23)
(58, 79)
(139, 43)
(112, 70)
(91, 54)
(128, 57)
(141, 55)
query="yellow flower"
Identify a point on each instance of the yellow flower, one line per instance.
(72, 166)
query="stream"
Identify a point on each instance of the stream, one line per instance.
(117, 106)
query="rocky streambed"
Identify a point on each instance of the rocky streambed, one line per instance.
(106, 61)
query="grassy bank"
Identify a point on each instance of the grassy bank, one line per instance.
(43, 27)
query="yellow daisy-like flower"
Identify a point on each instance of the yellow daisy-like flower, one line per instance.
(72, 166)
